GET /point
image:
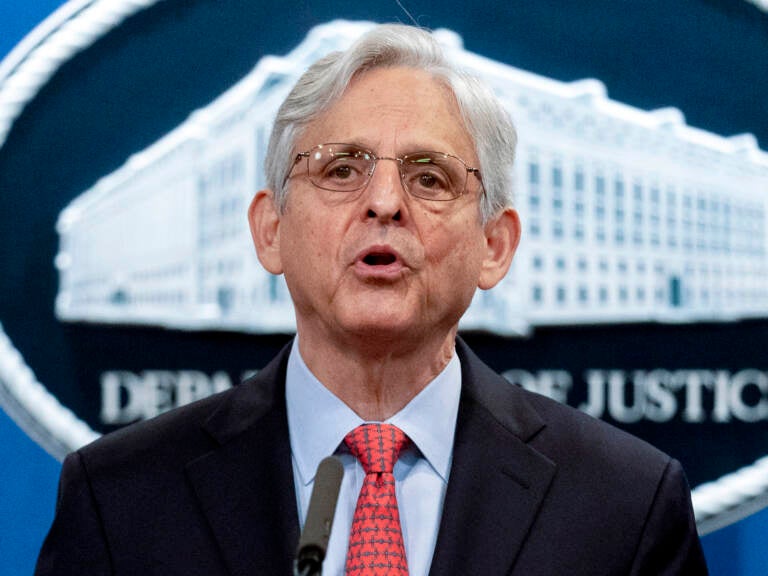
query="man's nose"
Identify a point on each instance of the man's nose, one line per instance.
(385, 194)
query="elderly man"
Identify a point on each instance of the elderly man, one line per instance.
(388, 206)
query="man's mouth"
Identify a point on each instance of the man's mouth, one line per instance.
(380, 263)
(379, 258)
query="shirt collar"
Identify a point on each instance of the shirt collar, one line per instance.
(318, 420)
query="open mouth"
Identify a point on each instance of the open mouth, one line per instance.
(379, 258)
(380, 263)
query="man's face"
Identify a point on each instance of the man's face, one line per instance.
(379, 263)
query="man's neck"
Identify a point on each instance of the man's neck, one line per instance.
(376, 379)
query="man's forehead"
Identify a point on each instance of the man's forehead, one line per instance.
(393, 109)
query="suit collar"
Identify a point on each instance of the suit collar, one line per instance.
(498, 482)
(245, 484)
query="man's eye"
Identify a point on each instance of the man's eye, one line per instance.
(430, 179)
(427, 181)
(341, 172)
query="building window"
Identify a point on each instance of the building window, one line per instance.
(578, 179)
(534, 200)
(623, 294)
(600, 212)
(618, 189)
(672, 241)
(533, 173)
(600, 234)
(599, 185)
(557, 201)
(557, 176)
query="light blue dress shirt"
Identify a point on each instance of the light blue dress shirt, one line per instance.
(318, 422)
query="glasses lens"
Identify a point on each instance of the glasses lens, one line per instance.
(434, 176)
(339, 167)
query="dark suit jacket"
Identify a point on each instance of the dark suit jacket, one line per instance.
(536, 488)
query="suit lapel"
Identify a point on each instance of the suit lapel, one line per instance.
(497, 483)
(245, 484)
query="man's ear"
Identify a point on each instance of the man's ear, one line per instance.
(264, 220)
(502, 235)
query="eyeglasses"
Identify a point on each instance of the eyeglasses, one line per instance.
(348, 168)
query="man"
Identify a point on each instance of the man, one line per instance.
(388, 205)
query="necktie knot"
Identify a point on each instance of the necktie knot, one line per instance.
(377, 446)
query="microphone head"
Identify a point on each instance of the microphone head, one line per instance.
(313, 543)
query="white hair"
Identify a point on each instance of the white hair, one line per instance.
(386, 46)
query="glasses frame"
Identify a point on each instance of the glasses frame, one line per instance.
(399, 159)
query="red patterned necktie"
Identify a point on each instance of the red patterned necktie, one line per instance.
(376, 540)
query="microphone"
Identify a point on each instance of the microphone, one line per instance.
(317, 528)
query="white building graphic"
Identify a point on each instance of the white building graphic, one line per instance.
(628, 215)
